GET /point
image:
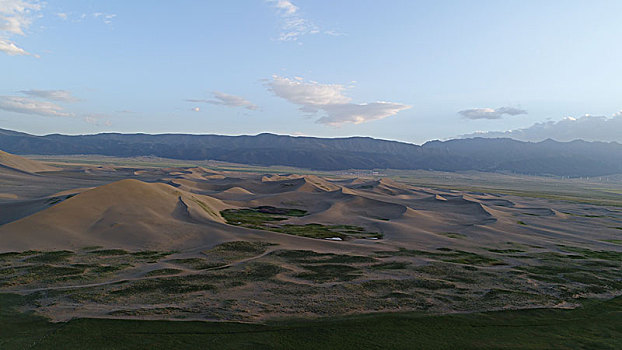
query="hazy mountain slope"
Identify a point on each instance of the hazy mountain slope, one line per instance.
(577, 158)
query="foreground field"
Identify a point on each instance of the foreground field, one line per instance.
(596, 325)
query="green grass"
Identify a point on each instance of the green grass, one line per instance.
(446, 255)
(594, 254)
(614, 241)
(50, 257)
(597, 325)
(197, 263)
(268, 218)
(393, 265)
(506, 251)
(311, 257)
(322, 273)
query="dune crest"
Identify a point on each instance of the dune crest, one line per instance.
(12, 162)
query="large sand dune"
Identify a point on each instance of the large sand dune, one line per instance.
(11, 162)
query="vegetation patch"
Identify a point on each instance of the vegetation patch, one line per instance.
(108, 252)
(593, 326)
(311, 257)
(393, 265)
(392, 285)
(447, 255)
(163, 272)
(50, 257)
(506, 251)
(197, 263)
(269, 218)
(594, 254)
(168, 285)
(322, 273)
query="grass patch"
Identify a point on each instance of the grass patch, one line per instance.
(50, 257)
(446, 255)
(594, 326)
(311, 257)
(108, 252)
(268, 218)
(506, 251)
(197, 263)
(594, 254)
(393, 265)
(167, 285)
(322, 273)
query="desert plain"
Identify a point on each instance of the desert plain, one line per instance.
(153, 239)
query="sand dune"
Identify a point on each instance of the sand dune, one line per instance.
(12, 162)
(124, 213)
(179, 208)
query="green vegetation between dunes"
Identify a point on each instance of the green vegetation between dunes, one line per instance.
(596, 325)
(269, 218)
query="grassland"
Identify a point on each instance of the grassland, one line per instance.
(596, 325)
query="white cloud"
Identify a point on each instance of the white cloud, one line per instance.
(313, 97)
(105, 17)
(62, 15)
(311, 94)
(11, 49)
(27, 105)
(15, 18)
(491, 113)
(287, 7)
(54, 95)
(587, 127)
(293, 24)
(222, 99)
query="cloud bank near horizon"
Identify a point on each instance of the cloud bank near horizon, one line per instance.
(587, 127)
(491, 113)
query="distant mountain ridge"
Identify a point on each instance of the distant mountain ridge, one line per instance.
(576, 158)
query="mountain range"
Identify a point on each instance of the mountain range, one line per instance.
(549, 157)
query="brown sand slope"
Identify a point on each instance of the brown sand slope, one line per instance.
(13, 162)
(127, 213)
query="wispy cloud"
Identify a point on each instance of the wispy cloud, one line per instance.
(293, 24)
(491, 113)
(587, 127)
(54, 95)
(32, 106)
(313, 97)
(222, 99)
(97, 119)
(105, 17)
(15, 18)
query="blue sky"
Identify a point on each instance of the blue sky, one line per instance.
(402, 70)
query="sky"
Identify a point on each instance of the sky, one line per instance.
(406, 70)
